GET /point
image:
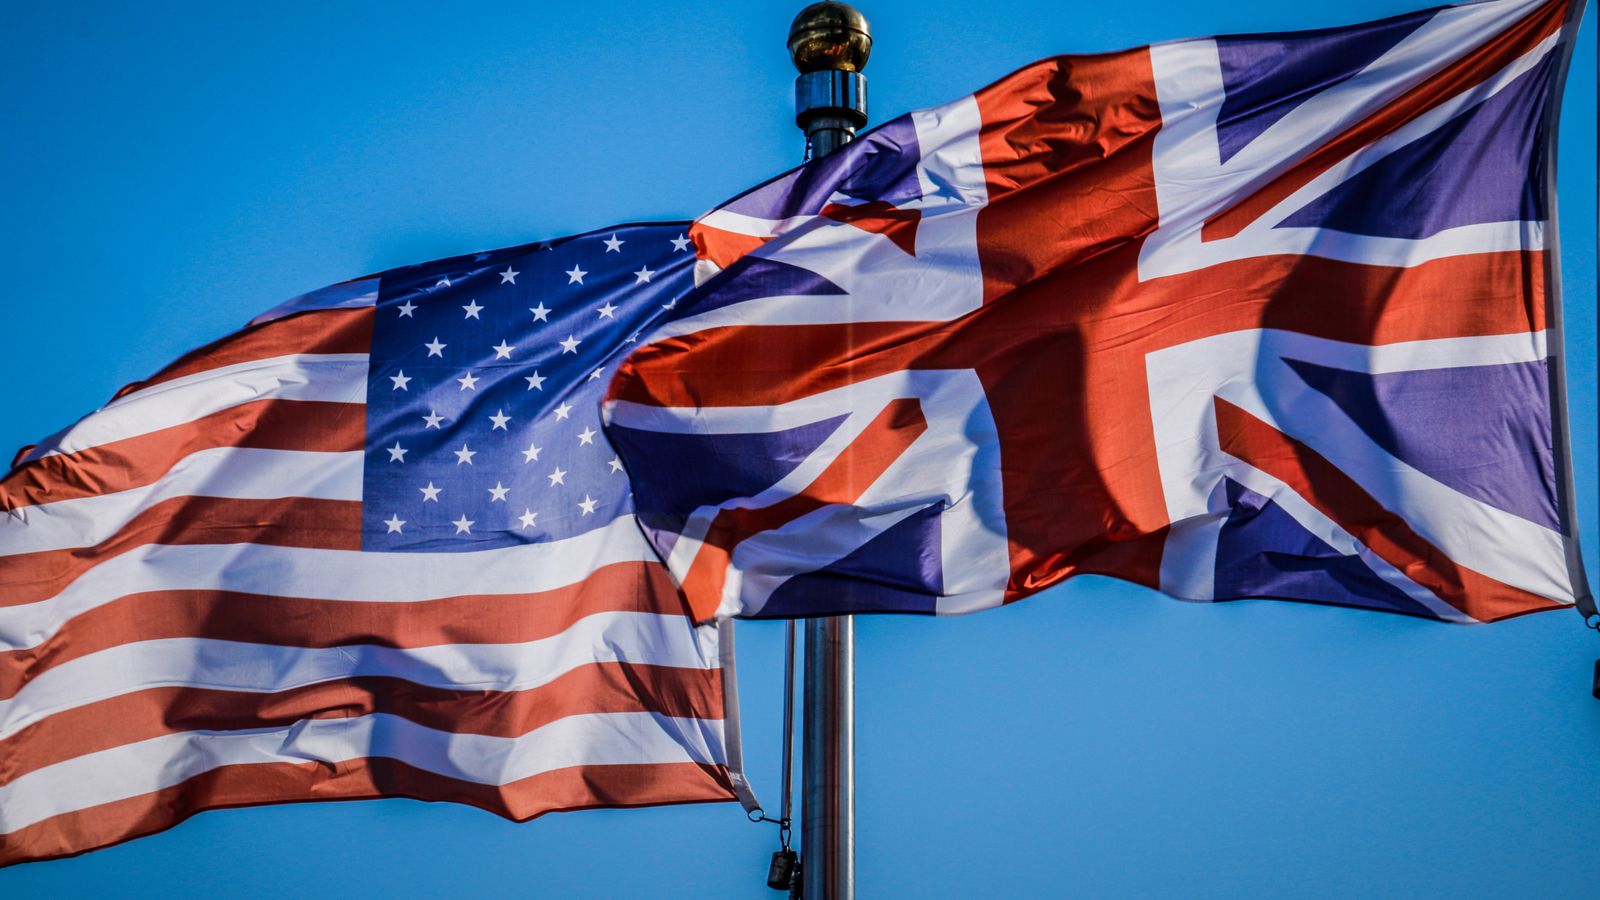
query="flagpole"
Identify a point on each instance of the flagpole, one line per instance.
(829, 43)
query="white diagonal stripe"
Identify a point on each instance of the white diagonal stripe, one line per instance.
(1192, 183)
(881, 282)
(1248, 368)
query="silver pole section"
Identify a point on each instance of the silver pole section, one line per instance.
(829, 43)
(786, 817)
(828, 802)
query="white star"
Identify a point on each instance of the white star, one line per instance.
(406, 310)
(481, 256)
(613, 245)
(397, 453)
(575, 275)
(643, 275)
(443, 282)
(527, 517)
(433, 419)
(502, 350)
(541, 313)
(595, 374)
(670, 304)
(570, 345)
(535, 381)
(464, 525)
(430, 493)
(468, 382)
(531, 454)
(616, 464)
(464, 455)
(498, 492)
(563, 409)
(586, 436)
(680, 242)
(472, 309)
(499, 419)
(587, 505)
(436, 348)
(394, 522)
(559, 476)
(509, 276)
(632, 337)
(400, 381)
(608, 311)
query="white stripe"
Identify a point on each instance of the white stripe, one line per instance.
(326, 574)
(239, 473)
(335, 377)
(644, 638)
(345, 295)
(732, 742)
(750, 226)
(141, 768)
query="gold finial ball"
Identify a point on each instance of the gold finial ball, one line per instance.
(830, 36)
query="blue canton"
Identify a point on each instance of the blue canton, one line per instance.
(483, 424)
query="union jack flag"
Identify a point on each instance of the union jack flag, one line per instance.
(1253, 316)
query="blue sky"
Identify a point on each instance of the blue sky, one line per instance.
(171, 170)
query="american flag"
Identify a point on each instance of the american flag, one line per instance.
(1247, 316)
(375, 544)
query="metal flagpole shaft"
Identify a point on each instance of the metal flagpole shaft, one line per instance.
(829, 43)
(788, 728)
(828, 803)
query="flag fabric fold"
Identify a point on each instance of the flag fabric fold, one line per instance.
(373, 545)
(1248, 316)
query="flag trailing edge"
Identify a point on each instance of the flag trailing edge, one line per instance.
(1215, 316)
(372, 545)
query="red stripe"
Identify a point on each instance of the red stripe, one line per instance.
(1337, 496)
(298, 622)
(319, 331)
(613, 687)
(579, 787)
(284, 522)
(1461, 75)
(722, 247)
(311, 425)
